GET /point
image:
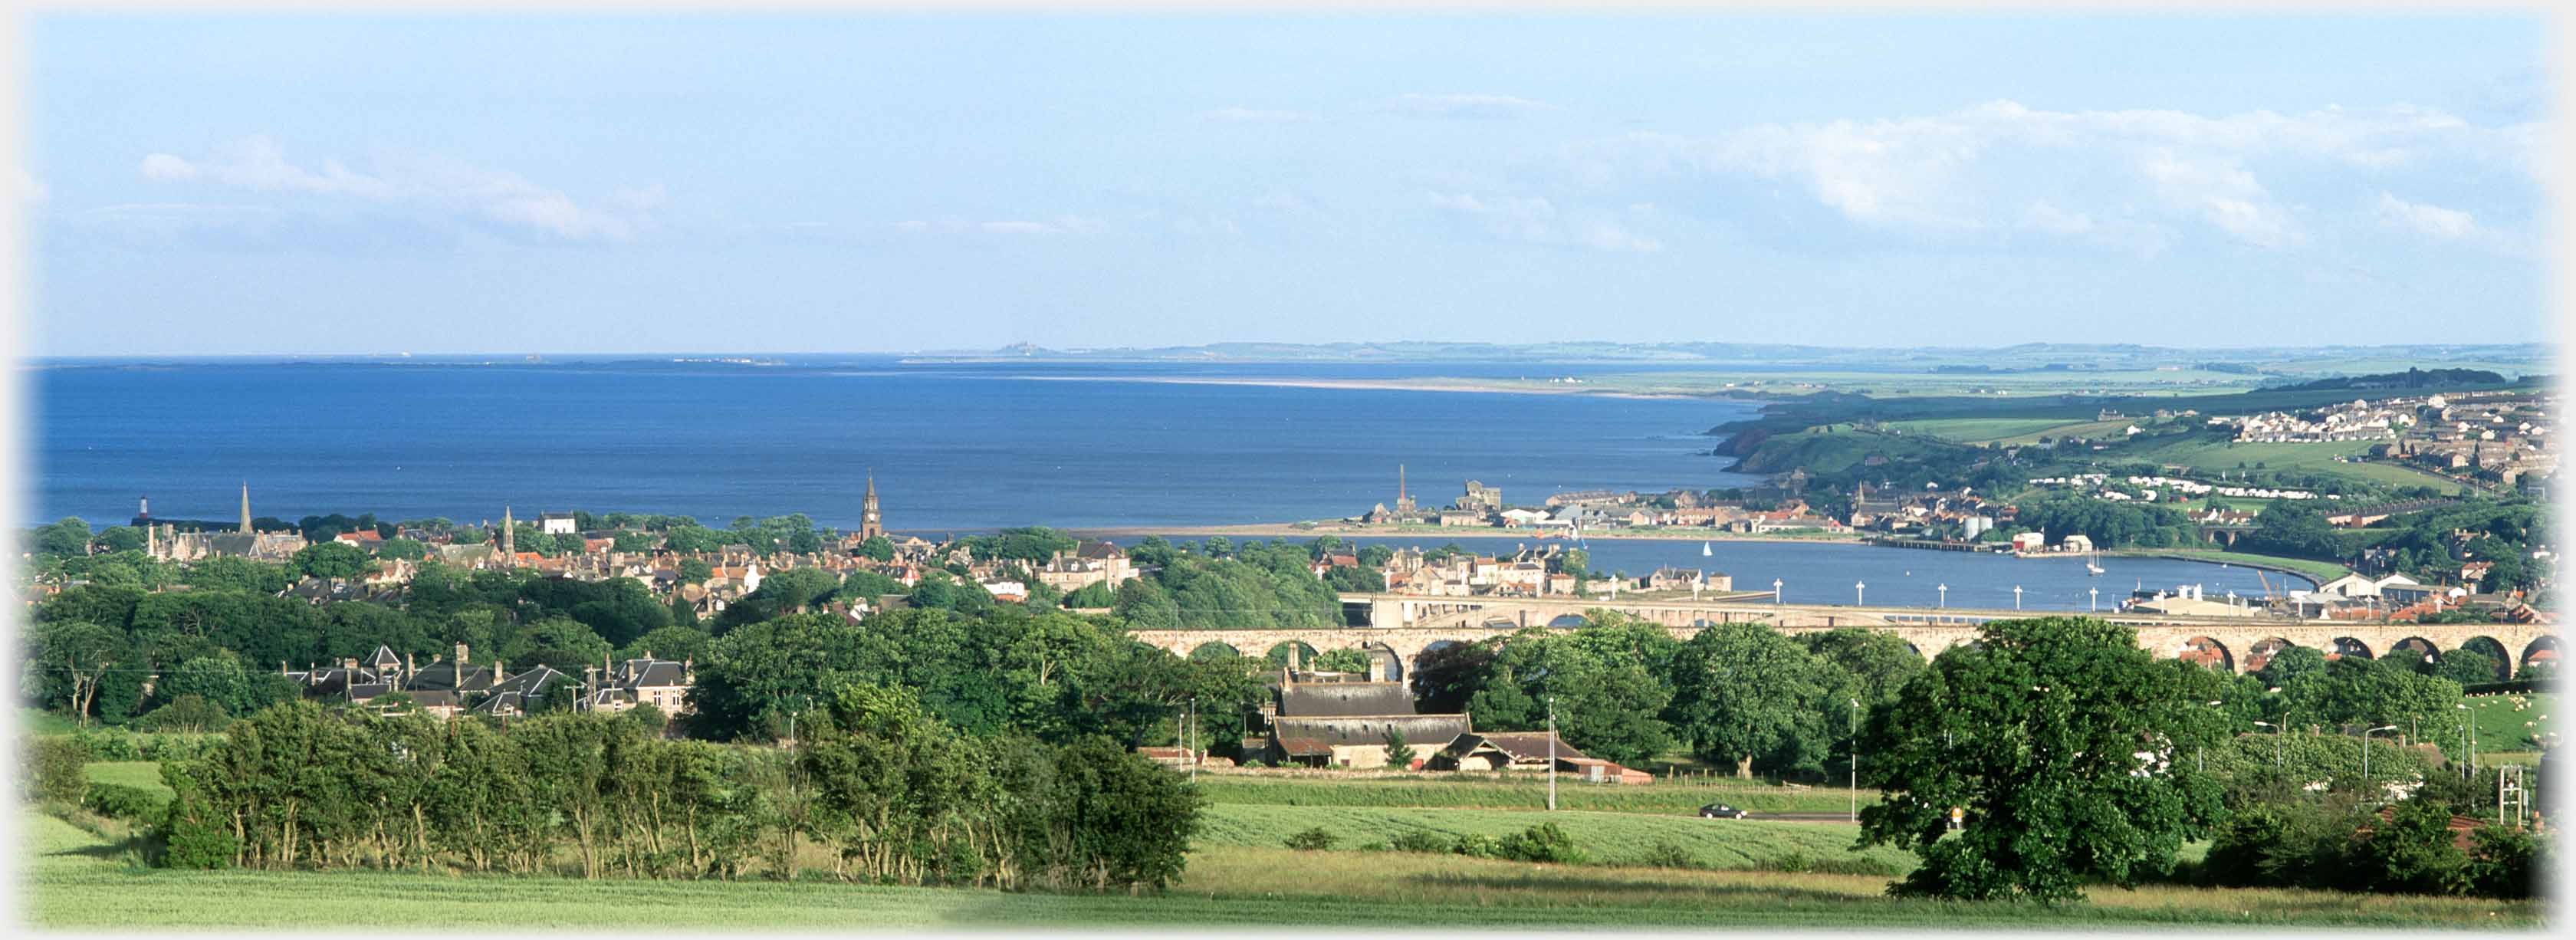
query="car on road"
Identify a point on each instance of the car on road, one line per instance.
(1720, 811)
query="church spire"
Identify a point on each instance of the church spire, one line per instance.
(509, 538)
(871, 521)
(245, 522)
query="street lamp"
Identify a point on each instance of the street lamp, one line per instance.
(1855, 760)
(2365, 756)
(2016, 597)
(1945, 594)
(1775, 590)
(1857, 593)
(2097, 598)
(2276, 742)
(2468, 745)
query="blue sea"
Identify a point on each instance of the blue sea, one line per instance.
(955, 447)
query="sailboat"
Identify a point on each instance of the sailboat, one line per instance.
(2091, 568)
(1704, 550)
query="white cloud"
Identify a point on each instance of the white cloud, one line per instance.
(1610, 237)
(499, 197)
(1460, 106)
(2113, 177)
(2425, 218)
(1256, 116)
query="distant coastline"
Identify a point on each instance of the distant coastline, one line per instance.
(1427, 384)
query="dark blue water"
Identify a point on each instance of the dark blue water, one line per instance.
(954, 447)
(1823, 573)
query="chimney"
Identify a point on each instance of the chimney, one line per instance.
(498, 673)
(460, 654)
(1377, 669)
(1296, 659)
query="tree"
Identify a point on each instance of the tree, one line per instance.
(1097, 594)
(2466, 667)
(330, 560)
(2057, 736)
(1399, 755)
(695, 571)
(402, 549)
(876, 547)
(124, 538)
(78, 655)
(1744, 692)
(67, 538)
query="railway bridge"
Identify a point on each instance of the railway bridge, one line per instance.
(1403, 627)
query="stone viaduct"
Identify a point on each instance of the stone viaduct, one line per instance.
(1404, 626)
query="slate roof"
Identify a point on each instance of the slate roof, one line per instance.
(1343, 699)
(1419, 730)
(1519, 745)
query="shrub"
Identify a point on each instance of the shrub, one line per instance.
(109, 744)
(118, 801)
(1418, 840)
(1477, 846)
(2506, 863)
(169, 748)
(190, 713)
(54, 769)
(1372, 846)
(1541, 843)
(191, 837)
(1665, 854)
(1315, 839)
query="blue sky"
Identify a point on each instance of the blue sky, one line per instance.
(381, 183)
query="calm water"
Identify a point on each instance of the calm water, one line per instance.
(1825, 573)
(953, 447)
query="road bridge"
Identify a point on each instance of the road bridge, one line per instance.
(1402, 627)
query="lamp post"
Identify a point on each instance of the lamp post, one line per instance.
(1855, 760)
(2097, 598)
(2468, 744)
(1551, 753)
(1858, 594)
(1945, 594)
(1775, 590)
(2016, 597)
(2365, 756)
(2276, 742)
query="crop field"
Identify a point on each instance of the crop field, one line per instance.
(1659, 797)
(76, 882)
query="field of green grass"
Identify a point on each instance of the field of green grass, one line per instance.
(2508, 723)
(141, 774)
(76, 881)
(1978, 430)
(2323, 571)
(2209, 455)
(1466, 792)
(1604, 838)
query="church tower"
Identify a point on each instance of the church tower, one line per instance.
(509, 538)
(871, 523)
(1403, 500)
(245, 529)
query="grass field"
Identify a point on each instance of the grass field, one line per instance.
(1434, 792)
(2506, 723)
(140, 774)
(2323, 571)
(2205, 454)
(1979, 430)
(75, 882)
(1606, 838)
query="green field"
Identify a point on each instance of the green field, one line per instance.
(1485, 793)
(1979, 430)
(2507, 723)
(76, 881)
(1606, 838)
(141, 774)
(2323, 571)
(2209, 455)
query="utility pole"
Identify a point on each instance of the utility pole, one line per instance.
(1551, 753)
